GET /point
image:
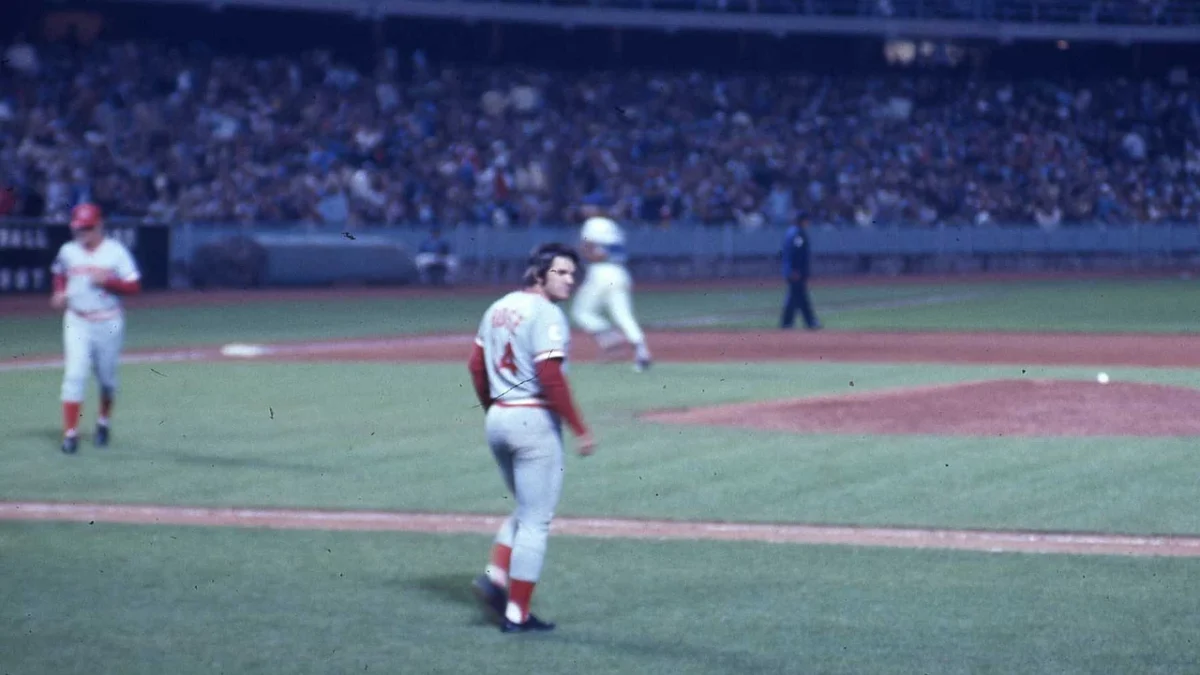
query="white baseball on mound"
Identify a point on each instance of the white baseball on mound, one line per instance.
(1102, 378)
(243, 351)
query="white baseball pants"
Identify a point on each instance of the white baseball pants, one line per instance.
(528, 446)
(90, 346)
(607, 289)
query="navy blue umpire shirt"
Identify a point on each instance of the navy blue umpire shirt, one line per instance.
(796, 252)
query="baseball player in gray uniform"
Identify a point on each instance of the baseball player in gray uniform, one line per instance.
(90, 273)
(518, 370)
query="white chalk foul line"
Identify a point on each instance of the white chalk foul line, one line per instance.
(710, 320)
(134, 358)
(269, 350)
(913, 538)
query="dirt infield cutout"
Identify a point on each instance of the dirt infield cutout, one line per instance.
(991, 408)
(1002, 408)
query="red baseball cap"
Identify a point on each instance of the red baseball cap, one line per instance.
(85, 215)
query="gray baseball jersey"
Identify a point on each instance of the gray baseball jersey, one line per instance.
(75, 263)
(517, 332)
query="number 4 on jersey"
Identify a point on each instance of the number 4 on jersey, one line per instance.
(507, 360)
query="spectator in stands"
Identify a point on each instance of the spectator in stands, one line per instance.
(8, 201)
(434, 260)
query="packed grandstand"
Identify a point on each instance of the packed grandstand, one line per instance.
(200, 131)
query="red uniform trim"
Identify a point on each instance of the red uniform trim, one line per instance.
(549, 354)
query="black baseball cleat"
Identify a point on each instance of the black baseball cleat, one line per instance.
(70, 444)
(642, 365)
(101, 435)
(493, 598)
(530, 625)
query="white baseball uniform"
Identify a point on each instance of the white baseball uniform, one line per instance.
(608, 289)
(94, 321)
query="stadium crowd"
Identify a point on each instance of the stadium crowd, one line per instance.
(174, 134)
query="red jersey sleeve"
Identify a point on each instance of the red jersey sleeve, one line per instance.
(121, 287)
(558, 394)
(479, 377)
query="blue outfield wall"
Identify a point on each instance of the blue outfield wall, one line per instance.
(479, 244)
(321, 255)
(202, 254)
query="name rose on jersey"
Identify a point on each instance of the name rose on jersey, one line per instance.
(505, 317)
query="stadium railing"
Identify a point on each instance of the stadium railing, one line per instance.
(1126, 21)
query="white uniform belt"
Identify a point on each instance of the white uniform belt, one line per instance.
(521, 402)
(97, 314)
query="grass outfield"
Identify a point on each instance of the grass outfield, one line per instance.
(153, 599)
(130, 600)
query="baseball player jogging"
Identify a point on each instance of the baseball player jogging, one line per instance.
(518, 369)
(608, 289)
(89, 275)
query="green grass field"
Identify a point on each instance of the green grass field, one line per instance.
(103, 598)
(200, 600)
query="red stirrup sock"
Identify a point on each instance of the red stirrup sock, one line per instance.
(71, 412)
(106, 404)
(519, 595)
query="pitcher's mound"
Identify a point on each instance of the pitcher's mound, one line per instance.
(988, 408)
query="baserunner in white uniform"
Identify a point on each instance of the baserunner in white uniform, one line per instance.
(608, 290)
(89, 275)
(518, 370)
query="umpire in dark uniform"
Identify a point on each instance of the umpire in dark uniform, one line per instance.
(797, 254)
